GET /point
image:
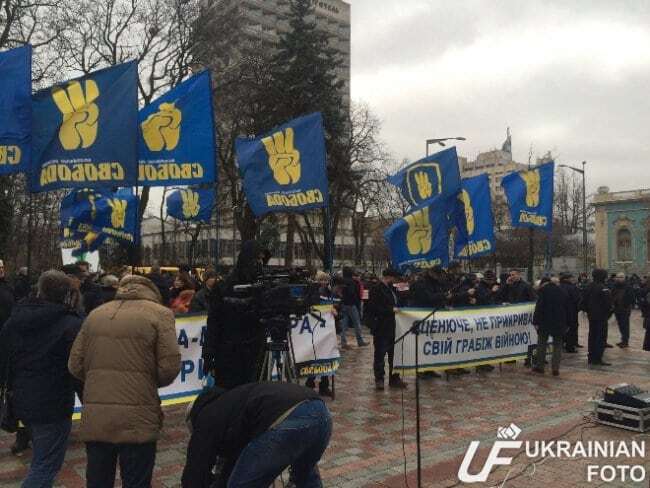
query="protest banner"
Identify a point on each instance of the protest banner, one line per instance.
(314, 345)
(465, 337)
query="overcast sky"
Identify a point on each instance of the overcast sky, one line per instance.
(571, 76)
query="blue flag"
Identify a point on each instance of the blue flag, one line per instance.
(15, 109)
(473, 218)
(176, 143)
(434, 175)
(285, 170)
(108, 214)
(421, 238)
(191, 205)
(530, 196)
(85, 131)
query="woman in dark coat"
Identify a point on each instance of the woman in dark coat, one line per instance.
(551, 319)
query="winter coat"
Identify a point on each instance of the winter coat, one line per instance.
(91, 294)
(162, 284)
(379, 310)
(6, 300)
(200, 300)
(573, 295)
(22, 288)
(428, 293)
(552, 310)
(623, 297)
(597, 302)
(126, 350)
(517, 292)
(36, 340)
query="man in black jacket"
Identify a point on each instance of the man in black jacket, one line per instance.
(36, 340)
(430, 290)
(350, 308)
(573, 295)
(516, 290)
(624, 298)
(597, 302)
(551, 318)
(161, 283)
(381, 318)
(235, 336)
(257, 430)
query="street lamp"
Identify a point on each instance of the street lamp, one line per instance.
(584, 210)
(442, 141)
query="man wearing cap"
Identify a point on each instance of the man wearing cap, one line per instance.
(488, 288)
(597, 302)
(380, 312)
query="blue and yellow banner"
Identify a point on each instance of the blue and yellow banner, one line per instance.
(421, 238)
(191, 205)
(90, 217)
(434, 175)
(530, 196)
(176, 143)
(85, 131)
(15, 109)
(473, 219)
(285, 170)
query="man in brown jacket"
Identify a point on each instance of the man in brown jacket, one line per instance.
(126, 350)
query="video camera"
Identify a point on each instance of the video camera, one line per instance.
(281, 294)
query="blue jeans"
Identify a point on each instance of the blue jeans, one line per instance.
(350, 313)
(299, 441)
(49, 442)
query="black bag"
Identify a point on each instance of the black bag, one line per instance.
(8, 420)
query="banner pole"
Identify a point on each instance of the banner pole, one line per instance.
(328, 245)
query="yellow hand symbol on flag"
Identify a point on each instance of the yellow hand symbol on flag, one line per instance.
(80, 114)
(191, 204)
(118, 214)
(162, 129)
(418, 236)
(469, 211)
(532, 180)
(424, 185)
(284, 159)
(90, 237)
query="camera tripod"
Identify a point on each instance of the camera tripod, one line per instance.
(279, 356)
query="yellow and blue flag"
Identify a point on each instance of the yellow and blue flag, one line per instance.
(176, 143)
(421, 238)
(285, 169)
(473, 219)
(102, 214)
(85, 131)
(530, 196)
(191, 204)
(434, 175)
(15, 109)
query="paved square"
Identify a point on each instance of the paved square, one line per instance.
(367, 448)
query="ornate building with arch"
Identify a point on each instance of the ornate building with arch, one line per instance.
(623, 230)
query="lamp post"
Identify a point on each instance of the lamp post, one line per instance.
(584, 210)
(441, 141)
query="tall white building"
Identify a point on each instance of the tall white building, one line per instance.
(267, 20)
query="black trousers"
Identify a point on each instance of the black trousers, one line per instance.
(623, 319)
(136, 464)
(383, 346)
(597, 340)
(571, 337)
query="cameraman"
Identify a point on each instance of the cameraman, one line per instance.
(257, 430)
(235, 336)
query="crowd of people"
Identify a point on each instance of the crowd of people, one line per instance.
(110, 339)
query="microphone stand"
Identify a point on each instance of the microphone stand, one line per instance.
(415, 329)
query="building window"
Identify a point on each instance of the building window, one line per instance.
(624, 245)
